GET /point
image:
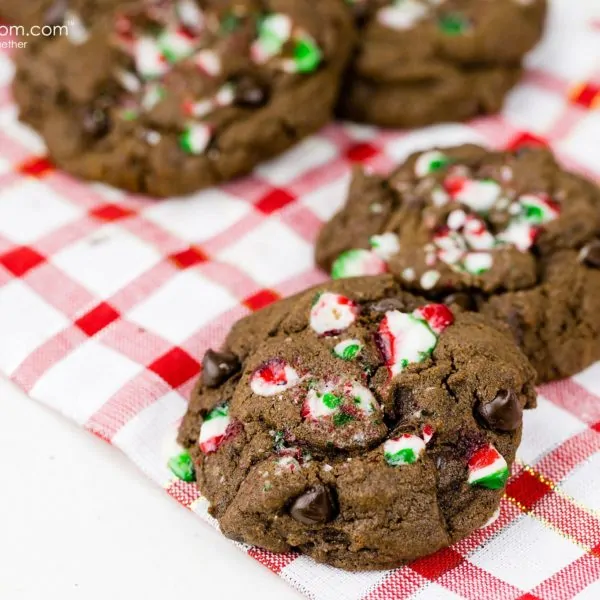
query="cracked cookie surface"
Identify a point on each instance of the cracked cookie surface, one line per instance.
(508, 234)
(358, 424)
(426, 61)
(170, 96)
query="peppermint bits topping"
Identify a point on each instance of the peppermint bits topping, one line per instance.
(273, 377)
(403, 450)
(332, 313)
(348, 349)
(216, 428)
(430, 162)
(357, 262)
(438, 316)
(406, 339)
(488, 468)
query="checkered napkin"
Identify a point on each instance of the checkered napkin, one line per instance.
(107, 301)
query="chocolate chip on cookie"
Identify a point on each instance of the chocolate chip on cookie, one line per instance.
(218, 367)
(508, 234)
(367, 426)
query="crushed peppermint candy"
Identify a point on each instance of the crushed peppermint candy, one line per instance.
(347, 349)
(488, 468)
(403, 450)
(195, 138)
(385, 245)
(273, 377)
(428, 432)
(402, 14)
(479, 195)
(286, 464)
(182, 466)
(344, 402)
(430, 162)
(406, 339)
(215, 429)
(357, 262)
(332, 313)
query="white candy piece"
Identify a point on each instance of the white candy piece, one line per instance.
(331, 313)
(403, 14)
(480, 196)
(423, 163)
(385, 245)
(273, 378)
(407, 339)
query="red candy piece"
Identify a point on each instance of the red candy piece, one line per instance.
(438, 316)
(484, 457)
(273, 372)
(454, 185)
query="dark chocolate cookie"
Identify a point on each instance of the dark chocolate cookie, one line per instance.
(426, 61)
(170, 96)
(510, 234)
(357, 424)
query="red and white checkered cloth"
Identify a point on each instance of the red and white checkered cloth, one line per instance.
(107, 301)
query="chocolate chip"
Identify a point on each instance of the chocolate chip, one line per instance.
(250, 92)
(55, 14)
(590, 255)
(387, 304)
(465, 301)
(314, 506)
(218, 367)
(95, 122)
(503, 413)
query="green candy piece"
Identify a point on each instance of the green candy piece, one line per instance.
(229, 23)
(496, 481)
(350, 352)
(342, 419)
(182, 467)
(331, 400)
(453, 24)
(406, 456)
(307, 55)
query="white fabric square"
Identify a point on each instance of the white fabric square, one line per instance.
(582, 143)
(27, 137)
(583, 483)
(589, 378)
(592, 592)
(30, 210)
(270, 253)
(570, 46)
(181, 306)
(308, 154)
(328, 583)
(434, 591)
(526, 553)
(532, 108)
(436, 135)
(107, 260)
(199, 217)
(326, 200)
(149, 439)
(26, 322)
(545, 428)
(82, 382)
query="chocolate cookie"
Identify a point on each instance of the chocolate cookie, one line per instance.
(167, 97)
(426, 61)
(357, 424)
(510, 234)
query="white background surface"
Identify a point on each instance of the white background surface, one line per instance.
(77, 520)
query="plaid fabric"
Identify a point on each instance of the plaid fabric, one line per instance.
(107, 301)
